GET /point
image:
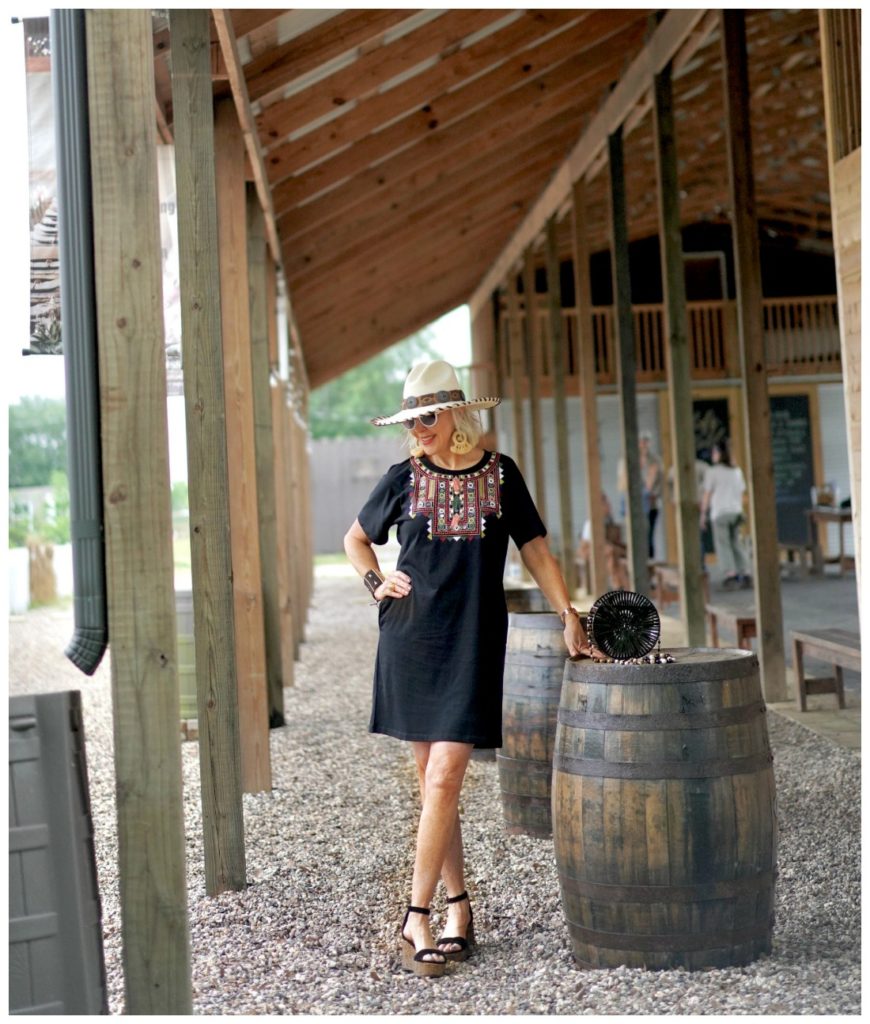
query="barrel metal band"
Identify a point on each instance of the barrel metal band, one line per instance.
(685, 943)
(557, 661)
(596, 768)
(649, 723)
(525, 765)
(698, 893)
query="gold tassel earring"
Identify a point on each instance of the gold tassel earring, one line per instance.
(417, 451)
(461, 445)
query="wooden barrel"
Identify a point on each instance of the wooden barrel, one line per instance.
(186, 654)
(534, 663)
(526, 599)
(664, 819)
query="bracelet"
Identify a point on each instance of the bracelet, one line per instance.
(570, 610)
(372, 581)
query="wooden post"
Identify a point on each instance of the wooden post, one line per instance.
(241, 457)
(756, 405)
(626, 371)
(586, 373)
(533, 340)
(138, 527)
(557, 360)
(217, 698)
(841, 80)
(265, 454)
(679, 366)
(518, 371)
(284, 516)
(483, 374)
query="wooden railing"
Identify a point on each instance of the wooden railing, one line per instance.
(801, 337)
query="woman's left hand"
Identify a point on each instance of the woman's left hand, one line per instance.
(575, 637)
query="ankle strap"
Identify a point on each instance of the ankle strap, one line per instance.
(418, 910)
(457, 899)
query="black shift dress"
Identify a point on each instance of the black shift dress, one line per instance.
(440, 661)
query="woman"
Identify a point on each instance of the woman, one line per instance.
(443, 623)
(722, 504)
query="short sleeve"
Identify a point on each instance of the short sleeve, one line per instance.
(385, 504)
(517, 506)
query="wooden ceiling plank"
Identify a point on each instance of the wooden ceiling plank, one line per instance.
(253, 21)
(229, 48)
(371, 70)
(558, 57)
(269, 74)
(510, 168)
(442, 153)
(373, 111)
(665, 42)
(396, 271)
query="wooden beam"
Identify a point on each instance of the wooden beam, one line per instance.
(840, 39)
(207, 474)
(665, 42)
(241, 455)
(588, 399)
(532, 328)
(285, 516)
(756, 404)
(138, 526)
(264, 447)
(557, 373)
(446, 152)
(372, 112)
(439, 113)
(229, 48)
(678, 362)
(269, 74)
(518, 372)
(626, 370)
(461, 201)
(373, 69)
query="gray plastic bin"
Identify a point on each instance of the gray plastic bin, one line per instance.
(55, 939)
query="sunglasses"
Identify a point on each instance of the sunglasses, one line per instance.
(428, 419)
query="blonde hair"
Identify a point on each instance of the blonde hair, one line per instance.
(467, 420)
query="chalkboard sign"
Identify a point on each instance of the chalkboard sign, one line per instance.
(792, 443)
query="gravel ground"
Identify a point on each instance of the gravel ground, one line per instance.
(329, 854)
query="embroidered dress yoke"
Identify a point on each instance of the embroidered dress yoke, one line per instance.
(440, 661)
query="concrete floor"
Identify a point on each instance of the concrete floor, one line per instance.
(816, 602)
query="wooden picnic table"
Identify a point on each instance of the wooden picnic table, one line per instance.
(840, 647)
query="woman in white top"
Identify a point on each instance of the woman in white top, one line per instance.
(722, 504)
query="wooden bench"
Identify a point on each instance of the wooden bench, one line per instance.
(741, 621)
(666, 580)
(840, 647)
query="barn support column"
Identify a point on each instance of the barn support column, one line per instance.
(589, 402)
(208, 483)
(626, 370)
(557, 372)
(138, 527)
(241, 457)
(264, 446)
(756, 404)
(518, 371)
(484, 371)
(678, 365)
(841, 80)
(533, 347)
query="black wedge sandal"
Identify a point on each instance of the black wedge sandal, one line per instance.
(412, 959)
(466, 943)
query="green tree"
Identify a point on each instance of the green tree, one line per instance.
(344, 406)
(179, 497)
(37, 441)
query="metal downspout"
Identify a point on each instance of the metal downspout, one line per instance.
(78, 324)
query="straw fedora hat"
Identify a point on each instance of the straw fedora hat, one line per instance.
(433, 387)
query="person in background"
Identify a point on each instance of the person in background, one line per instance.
(722, 505)
(651, 477)
(614, 549)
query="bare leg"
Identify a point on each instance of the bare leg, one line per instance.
(441, 766)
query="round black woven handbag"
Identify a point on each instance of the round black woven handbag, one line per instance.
(623, 624)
